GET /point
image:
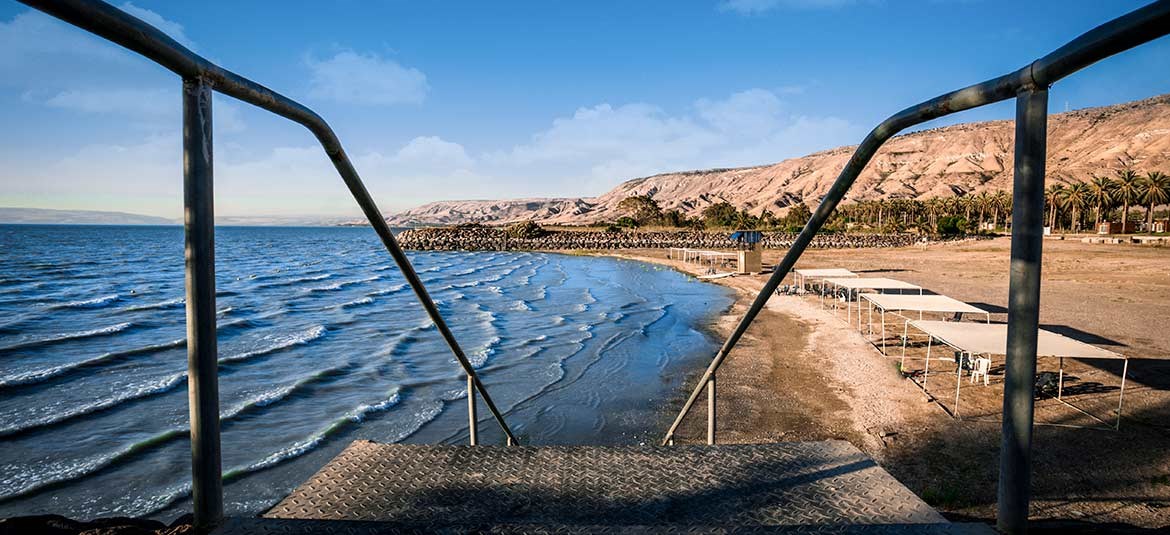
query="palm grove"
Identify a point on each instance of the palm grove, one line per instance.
(1072, 206)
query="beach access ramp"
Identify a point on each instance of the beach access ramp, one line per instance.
(798, 487)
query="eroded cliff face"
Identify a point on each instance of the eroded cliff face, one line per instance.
(965, 158)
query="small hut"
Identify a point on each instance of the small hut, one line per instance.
(750, 246)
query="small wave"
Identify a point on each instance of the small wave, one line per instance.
(355, 415)
(480, 356)
(340, 285)
(97, 302)
(44, 374)
(301, 338)
(25, 482)
(103, 331)
(357, 302)
(291, 282)
(521, 305)
(170, 303)
(388, 291)
(134, 392)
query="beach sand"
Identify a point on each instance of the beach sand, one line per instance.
(802, 373)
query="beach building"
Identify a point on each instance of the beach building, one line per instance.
(1116, 227)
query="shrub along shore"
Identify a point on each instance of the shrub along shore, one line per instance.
(478, 238)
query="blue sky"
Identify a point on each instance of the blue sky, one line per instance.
(456, 100)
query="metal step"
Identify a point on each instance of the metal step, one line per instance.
(796, 487)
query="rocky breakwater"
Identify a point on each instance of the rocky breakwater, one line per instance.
(498, 239)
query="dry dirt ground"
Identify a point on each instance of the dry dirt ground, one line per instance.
(802, 373)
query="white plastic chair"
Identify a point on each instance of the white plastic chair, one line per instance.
(981, 368)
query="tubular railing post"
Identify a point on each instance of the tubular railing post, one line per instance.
(202, 354)
(711, 411)
(472, 425)
(1015, 461)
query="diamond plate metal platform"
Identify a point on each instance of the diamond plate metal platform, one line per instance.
(800, 487)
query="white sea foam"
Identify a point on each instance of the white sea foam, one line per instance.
(102, 331)
(96, 302)
(282, 342)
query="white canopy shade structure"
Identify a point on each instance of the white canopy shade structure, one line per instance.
(935, 304)
(699, 256)
(991, 339)
(854, 286)
(802, 276)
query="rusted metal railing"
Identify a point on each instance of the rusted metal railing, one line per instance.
(200, 78)
(1029, 85)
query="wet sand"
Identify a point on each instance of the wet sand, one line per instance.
(801, 373)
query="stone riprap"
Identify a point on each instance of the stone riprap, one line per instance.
(496, 239)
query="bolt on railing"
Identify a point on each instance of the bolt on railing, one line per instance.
(1029, 85)
(200, 77)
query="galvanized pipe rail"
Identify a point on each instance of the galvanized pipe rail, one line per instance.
(1029, 85)
(201, 77)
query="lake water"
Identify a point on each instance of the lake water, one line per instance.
(321, 342)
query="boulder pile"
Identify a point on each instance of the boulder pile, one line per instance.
(479, 238)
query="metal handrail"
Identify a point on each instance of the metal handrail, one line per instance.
(200, 77)
(1030, 85)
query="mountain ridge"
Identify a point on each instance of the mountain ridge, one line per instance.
(959, 159)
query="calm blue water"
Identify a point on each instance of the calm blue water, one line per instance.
(320, 343)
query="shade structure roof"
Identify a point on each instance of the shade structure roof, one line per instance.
(991, 338)
(872, 283)
(824, 273)
(922, 303)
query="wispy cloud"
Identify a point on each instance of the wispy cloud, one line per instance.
(599, 146)
(169, 27)
(125, 101)
(357, 78)
(753, 7)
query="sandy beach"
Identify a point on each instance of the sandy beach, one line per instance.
(802, 373)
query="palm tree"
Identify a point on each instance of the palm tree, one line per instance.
(966, 203)
(1155, 192)
(1053, 197)
(1076, 198)
(983, 203)
(1100, 194)
(1000, 202)
(1127, 189)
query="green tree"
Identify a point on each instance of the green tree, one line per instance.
(1001, 202)
(721, 214)
(1127, 190)
(1101, 195)
(1075, 197)
(1155, 192)
(641, 208)
(1053, 196)
(797, 216)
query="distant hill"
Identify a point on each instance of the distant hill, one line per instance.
(959, 159)
(77, 217)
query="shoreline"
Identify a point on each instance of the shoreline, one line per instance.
(768, 384)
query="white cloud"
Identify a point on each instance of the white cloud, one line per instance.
(598, 147)
(39, 51)
(147, 102)
(751, 112)
(357, 78)
(169, 27)
(432, 152)
(584, 153)
(153, 109)
(753, 7)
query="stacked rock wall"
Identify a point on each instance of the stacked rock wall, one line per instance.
(493, 239)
